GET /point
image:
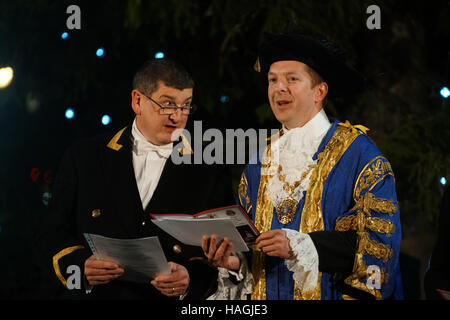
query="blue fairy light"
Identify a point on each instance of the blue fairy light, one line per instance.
(106, 120)
(70, 113)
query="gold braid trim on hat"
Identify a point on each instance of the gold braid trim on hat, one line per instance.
(257, 65)
(311, 219)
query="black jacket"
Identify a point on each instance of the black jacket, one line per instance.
(97, 175)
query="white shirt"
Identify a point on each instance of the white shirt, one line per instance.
(148, 163)
(317, 126)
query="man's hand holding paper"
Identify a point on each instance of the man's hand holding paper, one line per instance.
(100, 271)
(174, 284)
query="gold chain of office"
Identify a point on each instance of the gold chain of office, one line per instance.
(286, 210)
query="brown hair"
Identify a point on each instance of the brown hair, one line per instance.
(316, 79)
(170, 73)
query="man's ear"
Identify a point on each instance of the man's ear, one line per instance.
(136, 100)
(321, 91)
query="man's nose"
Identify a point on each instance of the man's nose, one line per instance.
(176, 116)
(280, 85)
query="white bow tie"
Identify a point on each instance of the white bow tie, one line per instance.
(143, 147)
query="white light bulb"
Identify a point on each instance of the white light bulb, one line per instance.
(6, 76)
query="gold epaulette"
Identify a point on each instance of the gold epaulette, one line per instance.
(112, 144)
(355, 128)
(187, 149)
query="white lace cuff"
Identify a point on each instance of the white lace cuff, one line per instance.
(227, 290)
(305, 264)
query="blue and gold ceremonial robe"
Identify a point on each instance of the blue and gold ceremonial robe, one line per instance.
(351, 187)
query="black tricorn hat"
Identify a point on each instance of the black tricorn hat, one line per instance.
(326, 58)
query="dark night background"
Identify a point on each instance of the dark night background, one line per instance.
(406, 62)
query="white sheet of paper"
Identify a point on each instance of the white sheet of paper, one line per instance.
(191, 231)
(142, 258)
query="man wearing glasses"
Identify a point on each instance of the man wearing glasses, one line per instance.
(109, 185)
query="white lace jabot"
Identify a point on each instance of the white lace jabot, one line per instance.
(292, 155)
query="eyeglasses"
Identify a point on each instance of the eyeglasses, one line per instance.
(170, 107)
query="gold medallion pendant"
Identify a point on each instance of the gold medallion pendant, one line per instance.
(286, 210)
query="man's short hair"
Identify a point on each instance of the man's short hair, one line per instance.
(316, 78)
(169, 72)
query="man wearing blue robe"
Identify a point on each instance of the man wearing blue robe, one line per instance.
(321, 194)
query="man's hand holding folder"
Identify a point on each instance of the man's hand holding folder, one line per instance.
(219, 254)
(227, 222)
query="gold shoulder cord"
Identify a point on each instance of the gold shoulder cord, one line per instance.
(58, 256)
(311, 220)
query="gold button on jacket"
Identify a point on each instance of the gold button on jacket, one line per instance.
(176, 248)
